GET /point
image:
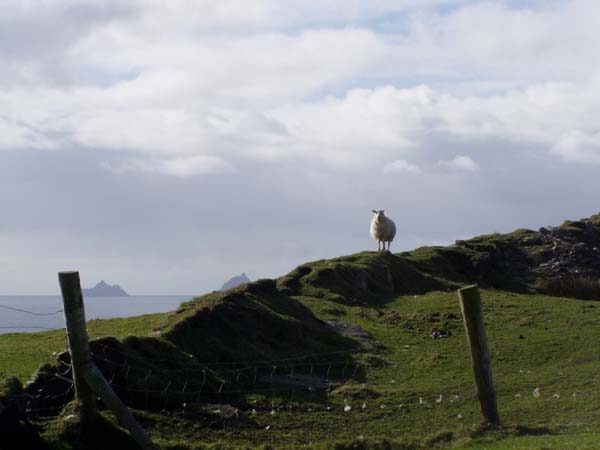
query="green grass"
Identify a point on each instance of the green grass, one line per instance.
(418, 392)
(558, 353)
(22, 353)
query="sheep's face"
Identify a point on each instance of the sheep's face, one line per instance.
(379, 214)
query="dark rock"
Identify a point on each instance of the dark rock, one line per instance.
(440, 334)
(50, 389)
(533, 240)
(15, 430)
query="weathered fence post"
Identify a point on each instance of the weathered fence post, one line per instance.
(87, 378)
(472, 312)
(96, 380)
(79, 346)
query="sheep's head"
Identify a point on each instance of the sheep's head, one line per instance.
(379, 214)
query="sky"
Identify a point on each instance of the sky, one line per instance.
(169, 145)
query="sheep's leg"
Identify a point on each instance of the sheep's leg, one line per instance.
(378, 245)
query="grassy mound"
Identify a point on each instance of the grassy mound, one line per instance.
(251, 324)
(145, 372)
(496, 261)
(363, 278)
(198, 350)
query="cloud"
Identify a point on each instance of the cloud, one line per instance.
(499, 41)
(368, 125)
(464, 163)
(19, 135)
(283, 111)
(181, 167)
(361, 128)
(252, 81)
(37, 37)
(579, 146)
(400, 166)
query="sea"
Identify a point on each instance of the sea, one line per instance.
(31, 313)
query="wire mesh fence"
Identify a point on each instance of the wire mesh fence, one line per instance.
(305, 383)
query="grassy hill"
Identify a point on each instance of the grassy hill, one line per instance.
(264, 365)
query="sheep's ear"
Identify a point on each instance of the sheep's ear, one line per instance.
(374, 212)
(383, 210)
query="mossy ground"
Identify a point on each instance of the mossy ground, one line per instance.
(22, 353)
(409, 391)
(68, 433)
(419, 392)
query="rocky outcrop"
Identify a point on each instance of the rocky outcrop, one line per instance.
(522, 260)
(104, 289)
(572, 250)
(235, 282)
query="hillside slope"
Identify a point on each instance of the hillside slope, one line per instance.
(367, 345)
(549, 260)
(545, 260)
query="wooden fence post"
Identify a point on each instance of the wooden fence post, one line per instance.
(96, 380)
(87, 378)
(472, 312)
(79, 346)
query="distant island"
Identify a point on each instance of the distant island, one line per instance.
(104, 289)
(235, 281)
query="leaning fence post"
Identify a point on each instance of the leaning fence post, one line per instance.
(472, 312)
(79, 346)
(94, 378)
(87, 377)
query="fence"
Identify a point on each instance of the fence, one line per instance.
(25, 326)
(273, 379)
(87, 379)
(272, 372)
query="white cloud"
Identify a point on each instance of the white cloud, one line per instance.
(491, 40)
(579, 146)
(400, 166)
(154, 131)
(363, 126)
(305, 101)
(460, 162)
(260, 81)
(180, 167)
(251, 69)
(19, 135)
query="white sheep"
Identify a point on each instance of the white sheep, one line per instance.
(383, 229)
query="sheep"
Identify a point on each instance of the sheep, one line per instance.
(383, 229)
